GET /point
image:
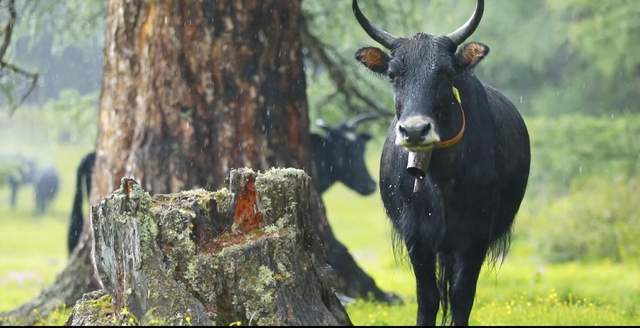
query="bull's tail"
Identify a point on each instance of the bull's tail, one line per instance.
(444, 276)
(83, 178)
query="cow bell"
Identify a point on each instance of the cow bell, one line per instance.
(417, 166)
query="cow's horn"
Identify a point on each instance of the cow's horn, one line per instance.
(382, 37)
(464, 32)
(359, 119)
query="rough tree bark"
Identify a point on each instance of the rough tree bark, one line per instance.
(238, 255)
(192, 89)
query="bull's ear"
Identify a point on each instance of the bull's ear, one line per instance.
(374, 59)
(471, 54)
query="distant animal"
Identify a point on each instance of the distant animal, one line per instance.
(23, 172)
(456, 209)
(46, 186)
(83, 179)
(339, 156)
(17, 171)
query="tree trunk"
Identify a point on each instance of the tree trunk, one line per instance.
(202, 258)
(193, 89)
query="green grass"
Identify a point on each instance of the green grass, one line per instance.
(523, 291)
(33, 249)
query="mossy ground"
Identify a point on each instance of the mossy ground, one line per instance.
(524, 290)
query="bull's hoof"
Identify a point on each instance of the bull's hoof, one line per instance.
(390, 299)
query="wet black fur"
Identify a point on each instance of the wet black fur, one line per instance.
(46, 188)
(338, 156)
(83, 179)
(472, 191)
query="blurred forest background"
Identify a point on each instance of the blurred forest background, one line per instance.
(571, 67)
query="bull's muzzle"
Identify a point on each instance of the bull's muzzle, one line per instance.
(417, 133)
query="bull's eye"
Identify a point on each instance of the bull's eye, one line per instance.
(391, 75)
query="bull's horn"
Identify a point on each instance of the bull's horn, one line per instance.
(382, 37)
(323, 125)
(464, 32)
(359, 119)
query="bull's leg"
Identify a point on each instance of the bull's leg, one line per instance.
(423, 262)
(40, 202)
(14, 193)
(466, 270)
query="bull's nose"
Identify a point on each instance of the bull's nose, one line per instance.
(414, 131)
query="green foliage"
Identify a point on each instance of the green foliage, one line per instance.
(54, 45)
(79, 23)
(73, 116)
(598, 219)
(584, 177)
(605, 32)
(8, 169)
(601, 38)
(569, 147)
(70, 119)
(550, 57)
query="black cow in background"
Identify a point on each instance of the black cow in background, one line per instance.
(338, 157)
(46, 186)
(83, 179)
(21, 172)
(455, 164)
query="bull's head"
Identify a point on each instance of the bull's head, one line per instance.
(340, 156)
(422, 70)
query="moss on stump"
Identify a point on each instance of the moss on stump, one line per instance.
(210, 258)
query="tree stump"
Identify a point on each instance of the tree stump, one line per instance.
(239, 255)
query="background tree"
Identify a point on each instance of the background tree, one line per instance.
(569, 66)
(190, 91)
(11, 75)
(565, 68)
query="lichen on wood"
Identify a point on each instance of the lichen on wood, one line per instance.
(202, 258)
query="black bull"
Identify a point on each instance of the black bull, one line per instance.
(463, 208)
(338, 156)
(23, 172)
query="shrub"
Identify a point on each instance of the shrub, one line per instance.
(598, 219)
(569, 148)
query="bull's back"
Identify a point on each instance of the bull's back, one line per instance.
(513, 156)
